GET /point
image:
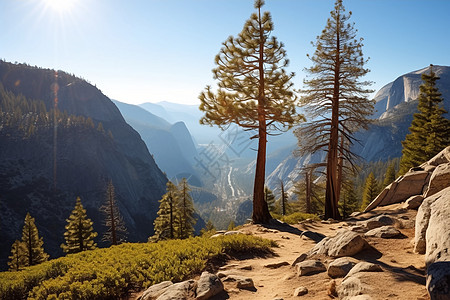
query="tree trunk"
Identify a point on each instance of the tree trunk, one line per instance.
(260, 210)
(331, 200)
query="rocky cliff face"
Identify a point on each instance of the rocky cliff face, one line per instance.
(86, 158)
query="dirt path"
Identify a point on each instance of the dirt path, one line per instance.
(402, 277)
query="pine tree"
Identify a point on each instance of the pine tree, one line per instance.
(309, 193)
(349, 201)
(255, 92)
(185, 211)
(269, 197)
(209, 228)
(79, 233)
(165, 224)
(33, 244)
(231, 225)
(116, 231)
(429, 130)
(389, 177)
(336, 100)
(18, 259)
(370, 190)
(283, 200)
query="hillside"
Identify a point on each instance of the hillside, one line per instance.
(45, 167)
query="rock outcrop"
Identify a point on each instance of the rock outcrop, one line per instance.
(344, 243)
(427, 179)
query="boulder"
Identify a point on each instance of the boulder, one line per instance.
(352, 287)
(208, 286)
(242, 282)
(155, 290)
(440, 179)
(300, 291)
(363, 266)
(301, 258)
(341, 266)
(439, 231)
(410, 184)
(442, 157)
(385, 232)
(360, 297)
(438, 280)
(179, 291)
(309, 267)
(344, 243)
(378, 221)
(413, 202)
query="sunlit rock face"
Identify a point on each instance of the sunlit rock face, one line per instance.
(42, 177)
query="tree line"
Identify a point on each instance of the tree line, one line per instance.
(255, 92)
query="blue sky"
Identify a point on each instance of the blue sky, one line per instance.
(139, 51)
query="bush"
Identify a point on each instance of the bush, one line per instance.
(296, 217)
(113, 272)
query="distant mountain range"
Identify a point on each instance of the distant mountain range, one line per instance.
(395, 104)
(93, 144)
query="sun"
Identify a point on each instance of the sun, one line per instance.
(61, 6)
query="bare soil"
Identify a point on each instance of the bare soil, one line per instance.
(403, 275)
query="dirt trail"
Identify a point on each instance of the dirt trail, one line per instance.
(403, 275)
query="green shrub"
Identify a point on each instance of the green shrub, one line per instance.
(113, 272)
(296, 217)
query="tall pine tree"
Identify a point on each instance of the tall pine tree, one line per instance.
(33, 244)
(429, 130)
(269, 197)
(185, 211)
(349, 201)
(389, 177)
(116, 231)
(79, 233)
(336, 100)
(370, 190)
(17, 260)
(166, 223)
(255, 92)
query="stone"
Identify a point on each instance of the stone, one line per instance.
(360, 297)
(385, 232)
(341, 266)
(363, 266)
(155, 290)
(344, 243)
(309, 267)
(352, 287)
(301, 258)
(358, 228)
(276, 265)
(438, 280)
(242, 282)
(315, 236)
(413, 202)
(208, 286)
(440, 158)
(300, 291)
(440, 179)
(410, 184)
(378, 221)
(179, 291)
(232, 232)
(438, 229)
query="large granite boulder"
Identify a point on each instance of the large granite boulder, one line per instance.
(208, 286)
(344, 243)
(155, 290)
(426, 179)
(341, 266)
(384, 232)
(309, 267)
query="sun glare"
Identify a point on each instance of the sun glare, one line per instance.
(60, 6)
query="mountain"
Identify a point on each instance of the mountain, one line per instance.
(396, 103)
(170, 144)
(45, 165)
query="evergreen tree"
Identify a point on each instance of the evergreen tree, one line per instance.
(429, 130)
(166, 223)
(17, 260)
(370, 190)
(209, 228)
(349, 201)
(33, 244)
(185, 211)
(79, 233)
(255, 92)
(283, 200)
(389, 177)
(269, 197)
(336, 100)
(116, 231)
(231, 226)
(309, 193)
